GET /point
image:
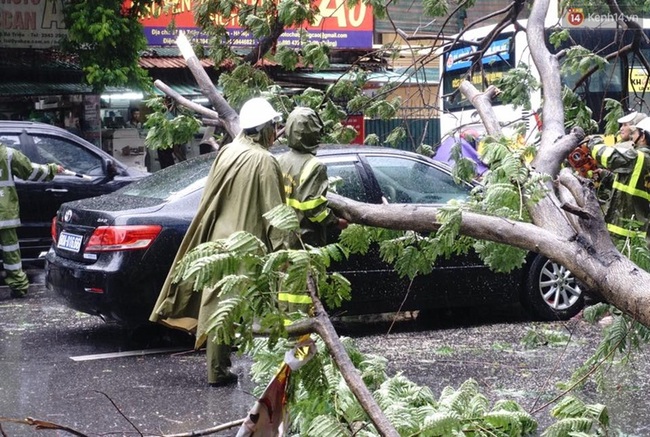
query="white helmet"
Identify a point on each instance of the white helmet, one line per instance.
(256, 112)
(644, 125)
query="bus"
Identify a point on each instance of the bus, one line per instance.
(624, 79)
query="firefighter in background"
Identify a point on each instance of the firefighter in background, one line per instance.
(14, 163)
(244, 183)
(305, 187)
(628, 124)
(630, 198)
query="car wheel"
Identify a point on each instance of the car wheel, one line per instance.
(551, 292)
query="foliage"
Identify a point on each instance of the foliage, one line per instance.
(509, 184)
(535, 338)
(321, 404)
(516, 86)
(619, 340)
(246, 279)
(96, 34)
(578, 419)
(165, 129)
(244, 83)
(577, 113)
(614, 111)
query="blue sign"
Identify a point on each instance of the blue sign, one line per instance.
(499, 50)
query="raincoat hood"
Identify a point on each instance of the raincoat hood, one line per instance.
(303, 129)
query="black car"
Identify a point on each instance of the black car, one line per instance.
(112, 253)
(39, 201)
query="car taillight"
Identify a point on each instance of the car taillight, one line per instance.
(112, 238)
(53, 229)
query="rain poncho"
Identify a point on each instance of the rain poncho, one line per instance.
(305, 177)
(13, 163)
(305, 186)
(244, 183)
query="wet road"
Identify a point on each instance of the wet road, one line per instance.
(65, 367)
(45, 374)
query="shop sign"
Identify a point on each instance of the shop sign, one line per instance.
(31, 24)
(358, 122)
(337, 25)
(639, 82)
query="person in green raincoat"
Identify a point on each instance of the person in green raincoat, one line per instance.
(244, 183)
(305, 187)
(14, 163)
(630, 198)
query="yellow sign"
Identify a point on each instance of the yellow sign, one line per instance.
(639, 81)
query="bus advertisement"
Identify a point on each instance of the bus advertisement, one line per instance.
(623, 79)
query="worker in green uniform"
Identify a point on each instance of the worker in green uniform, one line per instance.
(244, 183)
(14, 163)
(630, 198)
(305, 187)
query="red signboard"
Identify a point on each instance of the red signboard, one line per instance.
(337, 26)
(357, 122)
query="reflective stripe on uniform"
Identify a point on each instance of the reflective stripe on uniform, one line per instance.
(604, 156)
(12, 267)
(307, 204)
(7, 183)
(295, 298)
(320, 217)
(11, 248)
(39, 173)
(631, 187)
(11, 223)
(624, 232)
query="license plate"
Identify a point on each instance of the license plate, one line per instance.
(69, 242)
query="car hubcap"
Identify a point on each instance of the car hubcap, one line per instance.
(558, 286)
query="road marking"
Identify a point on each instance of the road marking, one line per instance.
(126, 354)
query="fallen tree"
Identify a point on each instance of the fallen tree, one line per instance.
(566, 223)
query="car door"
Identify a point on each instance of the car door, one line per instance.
(40, 200)
(410, 180)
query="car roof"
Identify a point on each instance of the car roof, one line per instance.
(31, 124)
(336, 149)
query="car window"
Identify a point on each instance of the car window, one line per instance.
(70, 155)
(350, 184)
(404, 180)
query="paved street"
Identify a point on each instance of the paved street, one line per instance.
(43, 375)
(75, 370)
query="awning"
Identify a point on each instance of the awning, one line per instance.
(42, 89)
(428, 76)
(184, 89)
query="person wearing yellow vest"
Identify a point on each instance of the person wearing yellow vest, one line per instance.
(630, 198)
(305, 187)
(14, 163)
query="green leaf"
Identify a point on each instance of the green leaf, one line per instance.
(284, 218)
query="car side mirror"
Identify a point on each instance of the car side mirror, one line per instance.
(109, 167)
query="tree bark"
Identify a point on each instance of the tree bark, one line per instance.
(226, 113)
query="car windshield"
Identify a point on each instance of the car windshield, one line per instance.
(173, 181)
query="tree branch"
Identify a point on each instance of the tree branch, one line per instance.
(327, 332)
(226, 112)
(482, 101)
(209, 113)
